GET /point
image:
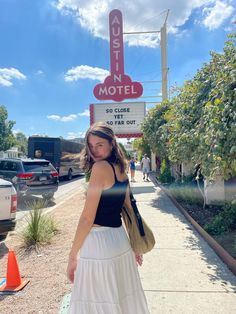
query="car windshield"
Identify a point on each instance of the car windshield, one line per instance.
(38, 166)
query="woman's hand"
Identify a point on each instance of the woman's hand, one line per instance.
(71, 267)
(139, 259)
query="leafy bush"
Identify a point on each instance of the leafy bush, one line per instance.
(165, 174)
(87, 176)
(224, 221)
(124, 150)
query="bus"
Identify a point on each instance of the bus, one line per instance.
(63, 154)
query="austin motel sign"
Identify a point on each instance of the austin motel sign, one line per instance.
(117, 86)
(125, 118)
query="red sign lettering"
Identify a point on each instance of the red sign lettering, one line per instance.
(117, 86)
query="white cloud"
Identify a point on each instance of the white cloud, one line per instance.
(70, 117)
(217, 14)
(228, 29)
(146, 15)
(39, 72)
(15, 131)
(86, 72)
(54, 117)
(84, 113)
(8, 74)
(72, 135)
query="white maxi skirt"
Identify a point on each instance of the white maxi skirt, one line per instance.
(106, 278)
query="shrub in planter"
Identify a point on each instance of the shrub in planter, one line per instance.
(185, 190)
(165, 175)
(224, 221)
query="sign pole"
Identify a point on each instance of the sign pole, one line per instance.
(164, 69)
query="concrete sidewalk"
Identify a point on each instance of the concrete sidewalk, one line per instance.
(182, 274)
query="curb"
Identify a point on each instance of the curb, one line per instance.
(45, 210)
(219, 250)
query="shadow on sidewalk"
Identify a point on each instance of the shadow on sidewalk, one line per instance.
(195, 242)
(142, 189)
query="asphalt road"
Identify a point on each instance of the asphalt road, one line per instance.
(65, 189)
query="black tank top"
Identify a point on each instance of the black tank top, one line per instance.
(110, 204)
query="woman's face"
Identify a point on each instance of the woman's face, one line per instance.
(100, 148)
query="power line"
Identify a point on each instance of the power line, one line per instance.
(150, 82)
(151, 96)
(150, 18)
(137, 33)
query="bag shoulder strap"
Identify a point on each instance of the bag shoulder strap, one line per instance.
(137, 214)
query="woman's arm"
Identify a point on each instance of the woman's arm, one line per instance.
(90, 208)
(87, 217)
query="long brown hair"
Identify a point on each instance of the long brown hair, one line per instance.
(102, 130)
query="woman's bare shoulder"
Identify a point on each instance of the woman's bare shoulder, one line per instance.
(100, 166)
(99, 172)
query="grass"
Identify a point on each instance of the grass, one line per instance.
(219, 220)
(187, 194)
(40, 227)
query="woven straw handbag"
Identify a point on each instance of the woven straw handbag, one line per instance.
(141, 237)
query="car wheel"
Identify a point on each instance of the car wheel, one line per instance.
(3, 237)
(69, 176)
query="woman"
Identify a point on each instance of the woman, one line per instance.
(132, 169)
(101, 263)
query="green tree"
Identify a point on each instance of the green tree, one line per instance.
(123, 150)
(204, 124)
(7, 139)
(199, 124)
(21, 142)
(155, 128)
(142, 147)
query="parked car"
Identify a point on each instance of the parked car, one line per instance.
(30, 176)
(8, 206)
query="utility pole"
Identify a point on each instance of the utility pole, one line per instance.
(164, 67)
(164, 70)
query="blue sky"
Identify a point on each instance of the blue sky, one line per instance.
(53, 53)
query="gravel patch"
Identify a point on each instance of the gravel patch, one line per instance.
(46, 269)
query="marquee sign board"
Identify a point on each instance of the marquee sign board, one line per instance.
(118, 85)
(124, 118)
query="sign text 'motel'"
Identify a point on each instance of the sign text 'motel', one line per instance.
(117, 86)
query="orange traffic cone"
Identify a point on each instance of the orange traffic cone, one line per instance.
(13, 282)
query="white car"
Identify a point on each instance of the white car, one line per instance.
(8, 207)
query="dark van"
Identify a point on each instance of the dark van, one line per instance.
(63, 154)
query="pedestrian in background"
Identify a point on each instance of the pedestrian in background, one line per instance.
(102, 264)
(145, 166)
(132, 169)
